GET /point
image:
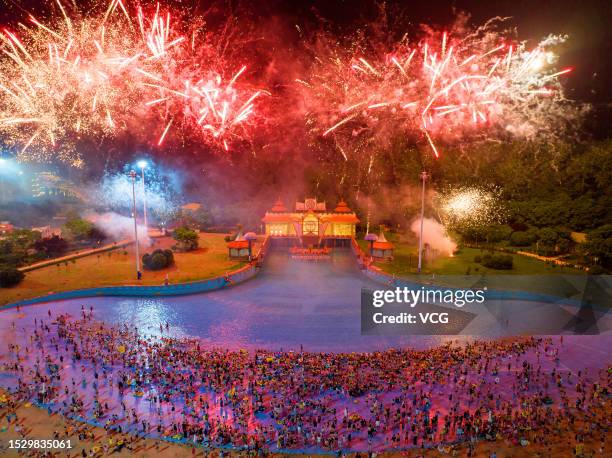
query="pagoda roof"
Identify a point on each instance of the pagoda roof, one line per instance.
(238, 244)
(278, 207)
(342, 207)
(382, 243)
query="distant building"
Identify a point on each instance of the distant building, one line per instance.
(49, 185)
(311, 223)
(46, 232)
(6, 228)
(191, 207)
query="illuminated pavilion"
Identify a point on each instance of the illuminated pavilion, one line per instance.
(310, 223)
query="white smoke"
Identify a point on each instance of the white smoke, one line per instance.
(162, 189)
(434, 235)
(117, 227)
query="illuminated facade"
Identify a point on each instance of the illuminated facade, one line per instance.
(49, 185)
(310, 222)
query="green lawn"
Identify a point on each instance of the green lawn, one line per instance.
(406, 259)
(118, 268)
(451, 271)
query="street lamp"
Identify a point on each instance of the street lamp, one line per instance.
(250, 237)
(424, 177)
(3, 163)
(143, 164)
(371, 238)
(133, 176)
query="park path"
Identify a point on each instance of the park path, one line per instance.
(76, 255)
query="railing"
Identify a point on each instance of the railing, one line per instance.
(263, 249)
(363, 260)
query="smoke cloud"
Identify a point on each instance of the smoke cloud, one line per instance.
(117, 227)
(434, 235)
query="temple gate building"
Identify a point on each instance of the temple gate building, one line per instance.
(310, 223)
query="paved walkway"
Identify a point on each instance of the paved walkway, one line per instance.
(76, 255)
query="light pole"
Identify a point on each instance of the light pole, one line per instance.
(423, 178)
(143, 164)
(3, 163)
(133, 176)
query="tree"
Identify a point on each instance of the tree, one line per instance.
(52, 247)
(96, 235)
(78, 229)
(186, 238)
(158, 260)
(199, 219)
(497, 233)
(24, 237)
(521, 238)
(598, 245)
(15, 246)
(10, 277)
(498, 261)
(548, 239)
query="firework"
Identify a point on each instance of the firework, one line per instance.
(468, 207)
(162, 192)
(65, 80)
(449, 86)
(218, 111)
(98, 76)
(210, 102)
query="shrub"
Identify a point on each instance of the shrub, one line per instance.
(521, 238)
(158, 260)
(498, 261)
(10, 277)
(596, 270)
(187, 238)
(51, 247)
(78, 228)
(598, 245)
(548, 236)
(477, 259)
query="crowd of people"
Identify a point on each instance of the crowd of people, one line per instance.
(177, 389)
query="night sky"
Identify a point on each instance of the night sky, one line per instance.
(588, 51)
(587, 22)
